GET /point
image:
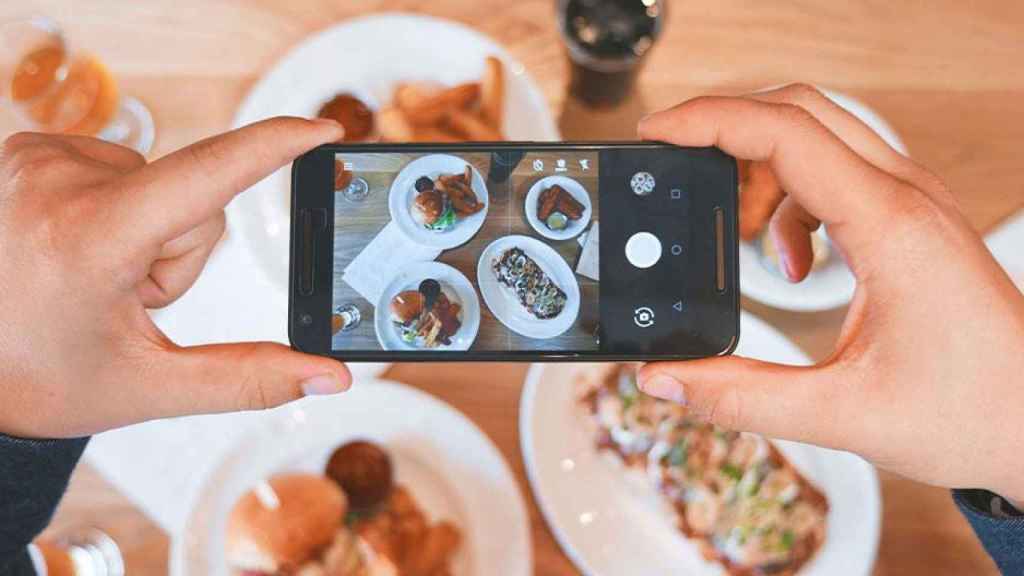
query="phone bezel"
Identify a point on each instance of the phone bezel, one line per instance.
(301, 339)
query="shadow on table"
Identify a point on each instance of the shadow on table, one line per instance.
(578, 121)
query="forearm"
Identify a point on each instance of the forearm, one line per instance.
(33, 477)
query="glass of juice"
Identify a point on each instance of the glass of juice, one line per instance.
(606, 41)
(57, 90)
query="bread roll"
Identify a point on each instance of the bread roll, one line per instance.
(285, 525)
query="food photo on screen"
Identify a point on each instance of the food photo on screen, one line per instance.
(489, 250)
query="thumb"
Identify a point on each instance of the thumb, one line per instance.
(779, 401)
(244, 376)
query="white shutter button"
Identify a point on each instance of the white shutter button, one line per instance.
(643, 250)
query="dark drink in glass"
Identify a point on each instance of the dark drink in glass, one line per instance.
(607, 41)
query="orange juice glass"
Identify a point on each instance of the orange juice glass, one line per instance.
(57, 90)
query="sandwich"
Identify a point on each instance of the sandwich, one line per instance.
(421, 327)
(284, 523)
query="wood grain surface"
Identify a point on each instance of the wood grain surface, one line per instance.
(946, 74)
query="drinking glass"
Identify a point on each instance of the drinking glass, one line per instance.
(79, 552)
(606, 41)
(59, 90)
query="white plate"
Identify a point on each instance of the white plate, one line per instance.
(830, 286)
(402, 197)
(610, 521)
(455, 286)
(502, 301)
(450, 466)
(1005, 244)
(367, 56)
(572, 187)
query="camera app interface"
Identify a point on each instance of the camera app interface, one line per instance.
(491, 251)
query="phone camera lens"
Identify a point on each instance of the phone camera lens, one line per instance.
(305, 319)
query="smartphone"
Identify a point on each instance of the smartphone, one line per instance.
(514, 251)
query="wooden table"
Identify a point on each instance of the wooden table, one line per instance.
(946, 74)
(357, 224)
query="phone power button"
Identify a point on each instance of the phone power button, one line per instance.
(643, 250)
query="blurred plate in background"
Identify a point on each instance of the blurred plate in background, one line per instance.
(367, 57)
(446, 462)
(831, 285)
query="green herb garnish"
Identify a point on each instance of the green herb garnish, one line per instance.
(731, 471)
(677, 455)
(786, 541)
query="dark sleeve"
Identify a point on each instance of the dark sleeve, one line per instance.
(33, 477)
(998, 525)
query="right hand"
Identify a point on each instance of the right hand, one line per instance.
(927, 375)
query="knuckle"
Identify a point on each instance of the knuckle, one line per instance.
(19, 140)
(803, 94)
(794, 114)
(725, 409)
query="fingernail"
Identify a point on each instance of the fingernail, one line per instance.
(665, 387)
(320, 385)
(786, 266)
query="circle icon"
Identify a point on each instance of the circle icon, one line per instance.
(642, 183)
(677, 249)
(643, 317)
(643, 249)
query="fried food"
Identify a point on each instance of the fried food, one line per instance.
(426, 112)
(421, 327)
(350, 112)
(558, 199)
(363, 471)
(458, 189)
(492, 93)
(434, 107)
(760, 195)
(394, 126)
(472, 127)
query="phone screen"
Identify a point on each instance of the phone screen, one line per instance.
(565, 251)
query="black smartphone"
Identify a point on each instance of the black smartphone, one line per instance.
(514, 251)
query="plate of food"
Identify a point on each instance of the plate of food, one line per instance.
(438, 200)
(558, 207)
(528, 286)
(427, 306)
(387, 480)
(388, 88)
(830, 283)
(684, 497)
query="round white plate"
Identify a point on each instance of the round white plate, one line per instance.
(610, 521)
(402, 197)
(502, 301)
(367, 56)
(455, 286)
(830, 286)
(572, 187)
(449, 465)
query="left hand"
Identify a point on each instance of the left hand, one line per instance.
(90, 237)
